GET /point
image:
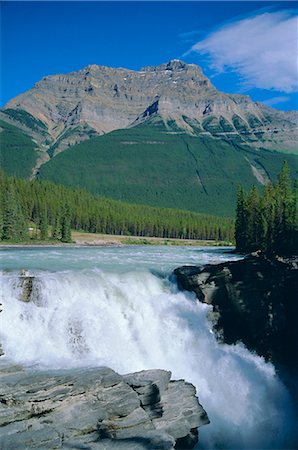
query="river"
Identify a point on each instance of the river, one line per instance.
(120, 307)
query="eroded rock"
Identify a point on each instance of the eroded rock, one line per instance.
(96, 409)
(254, 301)
(26, 285)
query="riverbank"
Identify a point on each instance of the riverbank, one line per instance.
(96, 239)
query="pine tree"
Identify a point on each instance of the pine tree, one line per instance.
(284, 207)
(43, 225)
(269, 222)
(268, 204)
(9, 215)
(56, 229)
(66, 225)
(294, 225)
(252, 219)
(284, 181)
(14, 223)
(240, 234)
(103, 215)
(1, 223)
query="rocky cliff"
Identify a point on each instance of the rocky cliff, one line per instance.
(254, 301)
(97, 409)
(61, 110)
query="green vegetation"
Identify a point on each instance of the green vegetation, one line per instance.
(253, 121)
(212, 125)
(76, 132)
(43, 225)
(26, 119)
(57, 208)
(13, 222)
(66, 225)
(148, 164)
(239, 124)
(225, 125)
(269, 222)
(18, 152)
(175, 242)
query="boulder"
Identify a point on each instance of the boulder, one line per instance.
(97, 409)
(26, 285)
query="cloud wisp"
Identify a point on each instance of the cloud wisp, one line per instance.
(276, 100)
(261, 49)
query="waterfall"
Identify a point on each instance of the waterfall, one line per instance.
(135, 320)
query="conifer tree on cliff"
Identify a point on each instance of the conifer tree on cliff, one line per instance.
(269, 222)
(283, 209)
(240, 221)
(252, 219)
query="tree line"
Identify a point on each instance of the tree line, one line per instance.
(53, 210)
(268, 221)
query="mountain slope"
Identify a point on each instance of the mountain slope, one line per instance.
(96, 100)
(19, 154)
(161, 136)
(151, 165)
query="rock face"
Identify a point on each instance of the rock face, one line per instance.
(26, 285)
(68, 108)
(97, 409)
(254, 301)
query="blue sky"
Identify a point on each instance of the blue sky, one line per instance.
(244, 47)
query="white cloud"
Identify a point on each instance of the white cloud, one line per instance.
(276, 100)
(262, 50)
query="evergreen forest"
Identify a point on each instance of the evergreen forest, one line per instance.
(43, 210)
(269, 221)
(147, 164)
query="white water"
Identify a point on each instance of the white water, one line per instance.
(131, 320)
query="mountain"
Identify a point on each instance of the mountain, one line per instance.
(178, 142)
(69, 108)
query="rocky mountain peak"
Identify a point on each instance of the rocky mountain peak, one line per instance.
(175, 66)
(92, 67)
(98, 99)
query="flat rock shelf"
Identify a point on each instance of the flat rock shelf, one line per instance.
(97, 409)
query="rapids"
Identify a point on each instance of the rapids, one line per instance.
(119, 307)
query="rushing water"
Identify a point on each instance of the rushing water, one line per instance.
(119, 307)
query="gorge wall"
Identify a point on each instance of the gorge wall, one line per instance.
(254, 301)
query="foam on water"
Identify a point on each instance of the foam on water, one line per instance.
(135, 320)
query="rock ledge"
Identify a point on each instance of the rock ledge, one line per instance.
(97, 409)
